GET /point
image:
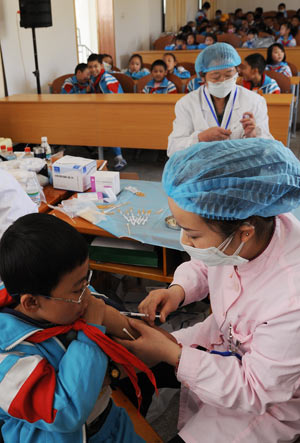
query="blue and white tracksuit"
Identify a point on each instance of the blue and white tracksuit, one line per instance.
(164, 87)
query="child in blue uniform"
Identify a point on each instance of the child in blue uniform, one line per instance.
(276, 60)
(286, 37)
(79, 83)
(52, 335)
(254, 77)
(105, 83)
(136, 68)
(191, 41)
(159, 83)
(171, 62)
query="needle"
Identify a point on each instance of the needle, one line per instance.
(137, 314)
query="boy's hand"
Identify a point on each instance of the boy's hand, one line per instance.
(95, 311)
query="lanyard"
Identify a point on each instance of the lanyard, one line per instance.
(213, 112)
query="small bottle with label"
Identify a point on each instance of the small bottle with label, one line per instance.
(45, 145)
(32, 188)
(10, 153)
(27, 152)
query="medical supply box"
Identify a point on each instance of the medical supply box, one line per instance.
(105, 179)
(73, 173)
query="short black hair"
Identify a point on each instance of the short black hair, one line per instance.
(206, 5)
(95, 57)
(270, 50)
(106, 55)
(256, 61)
(252, 31)
(36, 251)
(218, 11)
(81, 67)
(139, 57)
(213, 36)
(281, 5)
(159, 62)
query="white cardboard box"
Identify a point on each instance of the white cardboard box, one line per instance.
(103, 179)
(73, 173)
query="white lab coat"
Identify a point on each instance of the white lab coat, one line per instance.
(14, 202)
(193, 116)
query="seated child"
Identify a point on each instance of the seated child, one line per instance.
(286, 38)
(136, 68)
(108, 63)
(191, 41)
(159, 83)
(179, 44)
(210, 39)
(102, 81)
(79, 83)
(53, 348)
(105, 83)
(252, 39)
(276, 60)
(254, 77)
(171, 62)
(194, 84)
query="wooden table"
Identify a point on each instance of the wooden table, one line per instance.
(84, 227)
(127, 120)
(292, 55)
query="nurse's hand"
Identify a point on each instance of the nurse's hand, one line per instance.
(249, 125)
(152, 346)
(214, 134)
(162, 300)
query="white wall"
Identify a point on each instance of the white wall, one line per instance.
(86, 22)
(250, 5)
(137, 23)
(56, 45)
(191, 9)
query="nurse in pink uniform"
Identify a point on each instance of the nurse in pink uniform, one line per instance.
(232, 200)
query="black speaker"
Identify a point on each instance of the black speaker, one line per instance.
(35, 13)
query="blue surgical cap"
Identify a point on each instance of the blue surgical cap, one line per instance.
(234, 179)
(217, 56)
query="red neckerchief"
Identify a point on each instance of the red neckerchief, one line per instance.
(97, 81)
(116, 352)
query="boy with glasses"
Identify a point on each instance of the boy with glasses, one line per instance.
(53, 347)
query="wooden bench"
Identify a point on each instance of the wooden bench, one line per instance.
(127, 120)
(292, 55)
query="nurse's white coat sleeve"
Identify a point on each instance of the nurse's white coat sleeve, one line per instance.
(267, 376)
(262, 119)
(183, 135)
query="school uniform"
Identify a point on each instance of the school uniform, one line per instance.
(194, 84)
(180, 72)
(282, 68)
(191, 46)
(268, 85)
(49, 390)
(72, 86)
(105, 83)
(136, 75)
(255, 397)
(290, 42)
(194, 114)
(164, 87)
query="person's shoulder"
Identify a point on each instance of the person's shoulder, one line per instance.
(247, 94)
(189, 98)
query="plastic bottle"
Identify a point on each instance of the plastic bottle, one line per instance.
(3, 151)
(48, 151)
(32, 188)
(27, 152)
(10, 153)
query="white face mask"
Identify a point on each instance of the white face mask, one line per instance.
(222, 89)
(215, 256)
(107, 66)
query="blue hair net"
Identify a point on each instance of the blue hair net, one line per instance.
(234, 179)
(217, 56)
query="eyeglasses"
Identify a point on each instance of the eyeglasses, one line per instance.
(71, 300)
